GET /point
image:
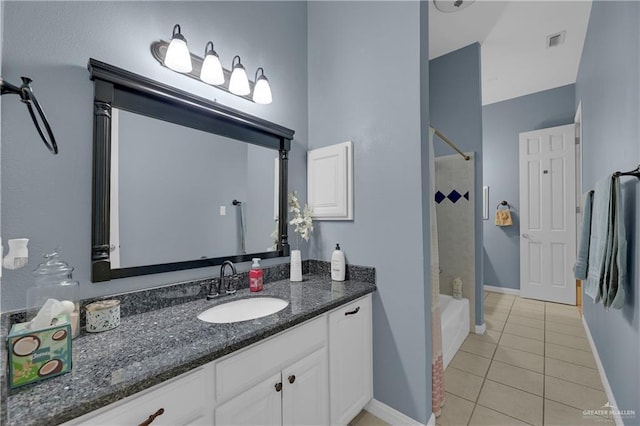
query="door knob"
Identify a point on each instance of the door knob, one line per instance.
(292, 378)
(526, 236)
(278, 387)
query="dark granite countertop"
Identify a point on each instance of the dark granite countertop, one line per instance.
(149, 348)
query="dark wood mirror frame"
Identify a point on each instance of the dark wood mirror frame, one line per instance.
(118, 88)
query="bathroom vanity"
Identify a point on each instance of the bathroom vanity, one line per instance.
(307, 364)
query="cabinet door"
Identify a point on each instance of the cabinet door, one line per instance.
(305, 400)
(260, 405)
(350, 360)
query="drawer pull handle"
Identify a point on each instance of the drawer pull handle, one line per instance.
(152, 417)
(292, 378)
(355, 311)
(278, 387)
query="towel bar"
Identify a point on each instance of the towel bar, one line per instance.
(635, 172)
(503, 203)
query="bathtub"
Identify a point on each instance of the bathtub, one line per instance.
(454, 314)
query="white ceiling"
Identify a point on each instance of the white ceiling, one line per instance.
(513, 35)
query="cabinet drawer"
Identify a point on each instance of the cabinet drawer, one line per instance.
(251, 366)
(184, 401)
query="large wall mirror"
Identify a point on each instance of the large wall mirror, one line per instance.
(181, 182)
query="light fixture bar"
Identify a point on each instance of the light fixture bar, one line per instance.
(159, 51)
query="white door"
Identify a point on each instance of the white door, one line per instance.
(350, 362)
(305, 395)
(260, 405)
(548, 214)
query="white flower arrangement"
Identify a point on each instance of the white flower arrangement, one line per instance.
(301, 221)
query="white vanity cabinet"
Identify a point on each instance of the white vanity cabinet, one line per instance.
(182, 401)
(316, 373)
(350, 360)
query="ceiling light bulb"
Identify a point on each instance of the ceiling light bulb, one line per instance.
(211, 71)
(178, 57)
(238, 83)
(262, 90)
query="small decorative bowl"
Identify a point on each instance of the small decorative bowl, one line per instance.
(103, 315)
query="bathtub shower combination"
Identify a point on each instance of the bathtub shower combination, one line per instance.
(454, 315)
(454, 198)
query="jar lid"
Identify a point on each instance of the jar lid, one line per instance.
(102, 305)
(53, 266)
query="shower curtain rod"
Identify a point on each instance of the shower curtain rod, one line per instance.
(448, 142)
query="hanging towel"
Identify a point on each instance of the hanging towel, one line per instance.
(582, 262)
(608, 246)
(503, 218)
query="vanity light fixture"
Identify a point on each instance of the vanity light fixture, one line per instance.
(175, 55)
(239, 83)
(261, 90)
(211, 71)
(178, 57)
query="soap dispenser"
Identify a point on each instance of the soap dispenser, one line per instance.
(338, 266)
(255, 276)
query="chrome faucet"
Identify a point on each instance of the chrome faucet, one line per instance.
(229, 288)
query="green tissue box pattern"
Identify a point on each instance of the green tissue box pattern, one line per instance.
(36, 355)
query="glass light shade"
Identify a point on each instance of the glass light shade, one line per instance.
(239, 83)
(262, 91)
(211, 72)
(178, 57)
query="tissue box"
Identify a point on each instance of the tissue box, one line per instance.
(36, 355)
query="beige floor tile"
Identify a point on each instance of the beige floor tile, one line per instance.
(521, 301)
(534, 309)
(572, 394)
(527, 322)
(494, 325)
(520, 358)
(489, 336)
(486, 293)
(524, 331)
(512, 402)
(556, 414)
(570, 330)
(500, 309)
(527, 314)
(566, 340)
(478, 347)
(365, 418)
(497, 306)
(496, 315)
(462, 384)
(573, 373)
(517, 377)
(483, 416)
(556, 308)
(522, 343)
(563, 319)
(575, 356)
(471, 363)
(456, 411)
(501, 297)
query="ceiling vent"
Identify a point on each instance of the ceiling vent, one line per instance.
(450, 6)
(556, 39)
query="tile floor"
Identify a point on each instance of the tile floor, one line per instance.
(533, 366)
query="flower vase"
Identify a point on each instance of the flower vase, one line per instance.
(296, 266)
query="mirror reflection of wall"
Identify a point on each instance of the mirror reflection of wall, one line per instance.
(172, 192)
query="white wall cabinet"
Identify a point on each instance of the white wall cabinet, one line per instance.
(330, 182)
(317, 373)
(350, 360)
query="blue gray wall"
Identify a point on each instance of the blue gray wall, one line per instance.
(608, 86)
(368, 83)
(501, 124)
(455, 107)
(47, 198)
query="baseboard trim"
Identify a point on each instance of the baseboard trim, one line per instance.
(603, 376)
(505, 290)
(481, 329)
(393, 416)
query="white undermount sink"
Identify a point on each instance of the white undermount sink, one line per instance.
(243, 310)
